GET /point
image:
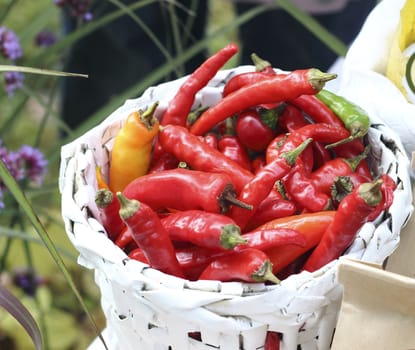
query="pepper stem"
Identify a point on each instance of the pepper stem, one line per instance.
(103, 198)
(355, 161)
(318, 79)
(231, 236)
(228, 197)
(260, 64)
(342, 186)
(147, 117)
(370, 192)
(292, 155)
(264, 273)
(128, 207)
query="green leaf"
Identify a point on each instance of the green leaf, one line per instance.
(22, 69)
(27, 208)
(15, 308)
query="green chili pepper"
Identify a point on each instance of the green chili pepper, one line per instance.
(355, 118)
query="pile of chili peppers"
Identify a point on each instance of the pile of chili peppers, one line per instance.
(270, 181)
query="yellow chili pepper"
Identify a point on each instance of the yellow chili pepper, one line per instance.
(131, 152)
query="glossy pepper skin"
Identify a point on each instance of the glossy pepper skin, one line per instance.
(255, 191)
(210, 230)
(198, 190)
(248, 265)
(200, 156)
(132, 147)
(150, 235)
(355, 118)
(108, 205)
(311, 225)
(232, 148)
(272, 90)
(352, 213)
(180, 106)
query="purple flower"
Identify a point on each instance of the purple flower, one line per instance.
(45, 38)
(26, 164)
(10, 44)
(14, 81)
(34, 164)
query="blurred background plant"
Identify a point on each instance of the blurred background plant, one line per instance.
(31, 134)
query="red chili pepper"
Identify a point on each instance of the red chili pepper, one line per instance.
(350, 149)
(211, 140)
(316, 110)
(124, 239)
(321, 155)
(272, 341)
(243, 79)
(179, 107)
(268, 238)
(272, 207)
(311, 225)
(304, 192)
(183, 189)
(150, 235)
(210, 230)
(248, 265)
(257, 162)
(352, 213)
(292, 118)
(253, 132)
(388, 187)
(324, 176)
(138, 254)
(255, 191)
(272, 90)
(109, 206)
(232, 148)
(198, 155)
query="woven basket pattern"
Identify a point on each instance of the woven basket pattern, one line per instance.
(147, 309)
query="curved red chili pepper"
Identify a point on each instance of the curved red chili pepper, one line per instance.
(352, 213)
(124, 239)
(321, 155)
(183, 189)
(210, 230)
(311, 225)
(257, 162)
(272, 341)
(232, 148)
(150, 235)
(179, 107)
(304, 192)
(324, 177)
(255, 191)
(243, 79)
(248, 265)
(350, 149)
(317, 110)
(211, 140)
(292, 118)
(198, 155)
(108, 207)
(272, 90)
(272, 207)
(320, 132)
(268, 238)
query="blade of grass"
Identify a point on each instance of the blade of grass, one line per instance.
(15, 308)
(331, 41)
(155, 76)
(31, 70)
(27, 208)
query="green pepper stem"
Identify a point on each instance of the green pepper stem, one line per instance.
(292, 155)
(370, 192)
(128, 207)
(231, 236)
(260, 64)
(147, 117)
(103, 197)
(264, 273)
(355, 161)
(317, 78)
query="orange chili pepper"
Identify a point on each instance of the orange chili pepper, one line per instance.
(131, 152)
(101, 183)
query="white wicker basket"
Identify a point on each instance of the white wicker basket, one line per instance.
(147, 309)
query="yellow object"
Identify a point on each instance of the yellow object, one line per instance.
(131, 152)
(401, 68)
